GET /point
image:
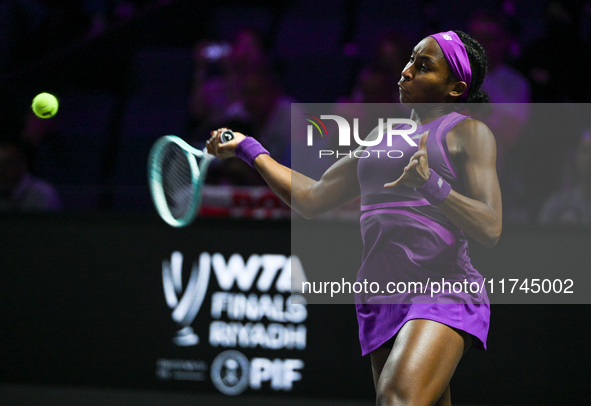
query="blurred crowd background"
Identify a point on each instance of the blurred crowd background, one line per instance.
(129, 71)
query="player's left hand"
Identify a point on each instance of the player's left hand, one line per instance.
(416, 173)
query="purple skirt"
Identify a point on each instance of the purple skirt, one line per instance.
(409, 247)
(380, 322)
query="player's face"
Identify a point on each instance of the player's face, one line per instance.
(425, 76)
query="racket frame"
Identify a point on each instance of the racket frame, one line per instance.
(198, 173)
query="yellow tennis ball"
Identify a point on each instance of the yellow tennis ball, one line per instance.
(45, 105)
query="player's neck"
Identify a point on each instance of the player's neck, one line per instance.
(427, 113)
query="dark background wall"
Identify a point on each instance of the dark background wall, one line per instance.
(83, 306)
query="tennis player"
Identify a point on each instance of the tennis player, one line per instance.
(415, 215)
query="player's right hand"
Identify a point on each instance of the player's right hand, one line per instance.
(223, 150)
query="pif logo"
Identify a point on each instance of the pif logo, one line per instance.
(388, 127)
(232, 373)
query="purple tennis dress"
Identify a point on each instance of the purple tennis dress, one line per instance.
(406, 240)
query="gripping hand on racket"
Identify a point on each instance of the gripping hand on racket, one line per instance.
(223, 150)
(416, 173)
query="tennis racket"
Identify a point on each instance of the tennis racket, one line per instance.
(176, 174)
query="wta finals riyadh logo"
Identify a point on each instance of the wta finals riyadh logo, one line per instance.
(185, 308)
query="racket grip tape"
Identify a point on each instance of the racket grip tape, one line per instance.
(248, 149)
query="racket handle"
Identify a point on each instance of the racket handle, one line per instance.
(227, 135)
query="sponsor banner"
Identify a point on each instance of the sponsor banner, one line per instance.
(259, 202)
(256, 326)
(84, 304)
(127, 301)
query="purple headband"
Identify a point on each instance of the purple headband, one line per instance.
(455, 52)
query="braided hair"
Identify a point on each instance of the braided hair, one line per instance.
(477, 98)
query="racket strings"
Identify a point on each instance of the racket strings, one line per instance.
(177, 180)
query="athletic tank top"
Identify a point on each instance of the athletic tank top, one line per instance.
(410, 246)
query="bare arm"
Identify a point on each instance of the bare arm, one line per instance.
(310, 198)
(479, 213)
